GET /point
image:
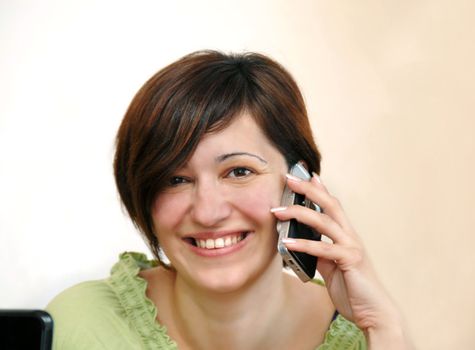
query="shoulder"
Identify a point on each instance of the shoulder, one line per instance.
(86, 294)
(81, 303)
(317, 311)
(113, 313)
(89, 316)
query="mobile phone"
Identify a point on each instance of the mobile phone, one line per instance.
(26, 329)
(303, 264)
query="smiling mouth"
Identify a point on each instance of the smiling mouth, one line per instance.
(217, 243)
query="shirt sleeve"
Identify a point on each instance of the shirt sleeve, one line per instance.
(343, 335)
(89, 316)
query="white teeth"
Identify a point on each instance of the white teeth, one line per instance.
(219, 242)
(209, 243)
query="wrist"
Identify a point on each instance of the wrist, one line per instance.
(388, 338)
(388, 335)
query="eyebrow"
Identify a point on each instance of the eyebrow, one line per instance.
(223, 157)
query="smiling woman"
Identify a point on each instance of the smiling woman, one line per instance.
(233, 178)
(200, 94)
(201, 163)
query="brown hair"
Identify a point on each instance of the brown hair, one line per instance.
(202, 93)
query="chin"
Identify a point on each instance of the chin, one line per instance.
(223, 280)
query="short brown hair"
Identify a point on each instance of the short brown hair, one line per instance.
(198, 94)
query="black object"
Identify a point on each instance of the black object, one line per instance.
(307, 262)
(25, 330)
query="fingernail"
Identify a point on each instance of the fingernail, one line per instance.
(288, 240)
(316, 177)
(273, 210)
(293, 178)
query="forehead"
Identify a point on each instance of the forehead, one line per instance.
(243, 134)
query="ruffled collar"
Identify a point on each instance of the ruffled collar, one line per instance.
(141, 312)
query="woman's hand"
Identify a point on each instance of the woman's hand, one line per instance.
(350, 279)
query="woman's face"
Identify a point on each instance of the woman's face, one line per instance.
(213, 220)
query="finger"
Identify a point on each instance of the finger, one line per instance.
(326, 268)
(321, 222)
(344, 256)
(315, 191)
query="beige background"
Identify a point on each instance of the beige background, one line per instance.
(389, 86)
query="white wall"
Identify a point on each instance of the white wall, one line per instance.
(389, 87)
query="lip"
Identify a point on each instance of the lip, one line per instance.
(218, 252)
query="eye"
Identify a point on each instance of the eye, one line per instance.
(239, 172)
(177, 180)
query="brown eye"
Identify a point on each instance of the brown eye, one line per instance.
(239, 172)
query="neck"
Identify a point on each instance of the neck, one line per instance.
(242, 319)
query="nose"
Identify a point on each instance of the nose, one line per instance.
(210, 205)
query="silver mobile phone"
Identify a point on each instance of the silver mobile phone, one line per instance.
(304, 265)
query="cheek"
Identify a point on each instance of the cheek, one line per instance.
(167, 212)
(257, 202)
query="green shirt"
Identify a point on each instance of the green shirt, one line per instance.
(116, 314)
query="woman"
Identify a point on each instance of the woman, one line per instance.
(201, 162)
